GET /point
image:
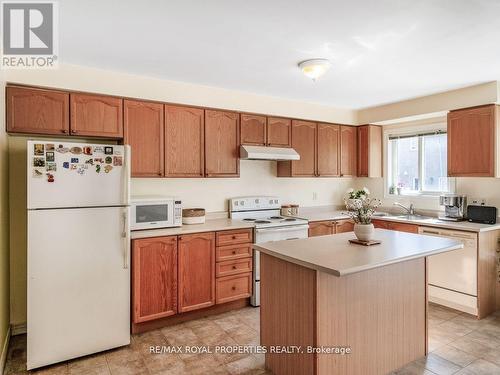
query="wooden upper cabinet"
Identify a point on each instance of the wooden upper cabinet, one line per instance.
(328, 150)
(96, 116)
(37, 111)
(252, 129)
(222, 144)
(196, 271)
(369, 151)
(321, 228)
(348, 154)
(143, 130)
(279, 132)
(304, 142)
(184, 141)
(154, 278)
(471, 142)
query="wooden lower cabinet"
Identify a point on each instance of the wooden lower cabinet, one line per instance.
(321, 228)
(154, 278)
(196, 271)
(392, 225)
(235, 287)
(342, 226)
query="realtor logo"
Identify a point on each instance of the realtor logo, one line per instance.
(29, 35)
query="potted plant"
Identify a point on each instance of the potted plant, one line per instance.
(360, 207)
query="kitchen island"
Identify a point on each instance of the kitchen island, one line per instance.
(341, 308)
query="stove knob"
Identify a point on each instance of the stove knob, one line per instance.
(276, 201)
(242, 203)
(270, 201)
(256, 201)
(236, 203)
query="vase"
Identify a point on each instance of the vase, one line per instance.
(364, 232)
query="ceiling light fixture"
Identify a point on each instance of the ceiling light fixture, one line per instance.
(314, 68)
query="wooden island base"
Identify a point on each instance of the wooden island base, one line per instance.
(379, 313)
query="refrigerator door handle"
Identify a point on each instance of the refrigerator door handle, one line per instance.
(126, 238)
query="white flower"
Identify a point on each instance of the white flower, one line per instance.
(365, 189)
(350, 190)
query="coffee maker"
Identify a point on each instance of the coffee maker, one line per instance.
(455, 207)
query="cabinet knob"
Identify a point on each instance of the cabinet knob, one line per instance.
(64, 131)
(234, 267)
(233, 288)
(234, 237)
(234, 252)
(74, 132)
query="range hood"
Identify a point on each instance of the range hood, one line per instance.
(268, 153)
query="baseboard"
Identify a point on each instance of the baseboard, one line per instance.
(5, 348)
(18, 329)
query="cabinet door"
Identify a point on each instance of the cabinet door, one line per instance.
(154, 278)
(222, 144)
(143, 130)
(328, 150)
(342, 226)
(471, 142)
(348, 155)
(252, 130)
(320, 228)
(184, 142)
(304, 142)
(37, 111)
(196, 271)
(363, 153)
(380, 224)
(279, 132)
(96, 116)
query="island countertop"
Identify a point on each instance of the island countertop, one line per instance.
(334, 254)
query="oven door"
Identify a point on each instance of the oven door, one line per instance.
(291, 232)
(151, 215)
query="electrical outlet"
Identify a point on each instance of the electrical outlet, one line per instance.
(315, 196)
(478, 201)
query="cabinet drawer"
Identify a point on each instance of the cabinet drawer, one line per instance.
(233, 252)
(233, 267)
(232, 237)
(231, 288)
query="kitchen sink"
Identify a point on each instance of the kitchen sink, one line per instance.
(411, 217)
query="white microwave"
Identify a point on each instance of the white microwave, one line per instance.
(152, 212)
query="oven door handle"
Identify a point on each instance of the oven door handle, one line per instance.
(283, 229)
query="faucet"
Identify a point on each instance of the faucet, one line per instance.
(410, 210)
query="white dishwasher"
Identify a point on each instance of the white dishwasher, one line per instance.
(452, 276)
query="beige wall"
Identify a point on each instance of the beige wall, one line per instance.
(257, 177)
(4, 223)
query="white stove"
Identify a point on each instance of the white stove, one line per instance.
(264, 212)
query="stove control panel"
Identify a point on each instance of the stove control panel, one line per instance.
(254, 203)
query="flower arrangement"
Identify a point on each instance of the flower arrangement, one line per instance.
(360, 207)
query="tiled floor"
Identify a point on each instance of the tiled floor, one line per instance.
(459, 344)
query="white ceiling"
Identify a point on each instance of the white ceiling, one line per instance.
(381, 50)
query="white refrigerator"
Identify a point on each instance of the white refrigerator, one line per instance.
(78, 250)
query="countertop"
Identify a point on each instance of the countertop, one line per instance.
(334, 254)
(210, 225)
(330, 213)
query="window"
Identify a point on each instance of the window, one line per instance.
(417, 163)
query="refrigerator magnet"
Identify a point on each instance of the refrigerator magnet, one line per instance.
(37, 173)
(75, 150)
(66, 164)
(73, 166)
(108, 150)
(38, 162)
(99, 160)
(38, 149)
(98, 150)
(117, 161)
(49, 156)
(108, 159)
(89, 161)
(49, 147)
(50, 177)
(51, 167)
(87, 150)
(62, 150)
(74, 160)
(98, 168)
(80, 170)
(108, 168)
